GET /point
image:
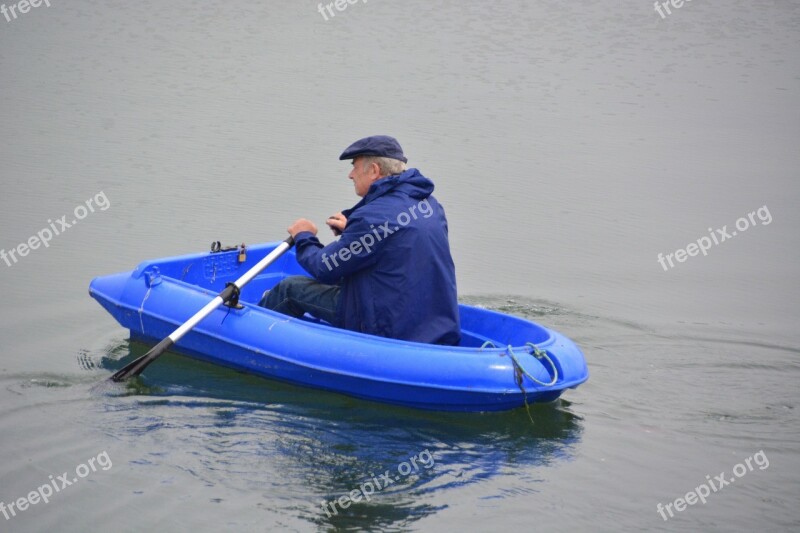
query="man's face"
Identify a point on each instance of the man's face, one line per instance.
(363, 178)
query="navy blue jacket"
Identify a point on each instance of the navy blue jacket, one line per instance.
(393, 263)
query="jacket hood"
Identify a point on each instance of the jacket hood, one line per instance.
(411, 182)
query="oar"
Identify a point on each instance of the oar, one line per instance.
(137, 367)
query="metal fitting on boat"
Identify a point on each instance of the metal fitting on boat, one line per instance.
(152, 276)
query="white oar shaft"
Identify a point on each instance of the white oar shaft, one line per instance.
(261, 265)
(241, 282)
(230, 291)
(192, 322)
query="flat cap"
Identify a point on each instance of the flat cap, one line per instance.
(377, 145)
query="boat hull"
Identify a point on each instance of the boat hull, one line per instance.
(160, 295)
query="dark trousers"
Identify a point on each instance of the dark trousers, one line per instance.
(297, 295)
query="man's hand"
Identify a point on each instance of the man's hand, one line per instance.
(302, 224)
(337, 223)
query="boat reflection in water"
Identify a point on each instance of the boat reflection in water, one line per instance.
(294, 450)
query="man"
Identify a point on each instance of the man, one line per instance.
(390, 273)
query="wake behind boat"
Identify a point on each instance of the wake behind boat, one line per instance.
(502, 361)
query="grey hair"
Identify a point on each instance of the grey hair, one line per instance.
(386, 165)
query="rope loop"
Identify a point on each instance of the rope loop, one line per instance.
(539, 354)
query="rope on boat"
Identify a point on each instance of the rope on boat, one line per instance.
(539, 354)
(536, 352)
(141, 308)
(519, 370)
(518, 381)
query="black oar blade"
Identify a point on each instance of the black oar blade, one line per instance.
(137, 367)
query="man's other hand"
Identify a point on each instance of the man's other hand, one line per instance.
(337, 223)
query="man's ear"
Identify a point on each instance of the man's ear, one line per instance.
(376, 169)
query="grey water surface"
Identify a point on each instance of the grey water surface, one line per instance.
(571, 143)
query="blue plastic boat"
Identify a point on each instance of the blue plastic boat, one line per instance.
(502, 362)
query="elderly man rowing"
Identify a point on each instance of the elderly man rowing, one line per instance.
(390, 273)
